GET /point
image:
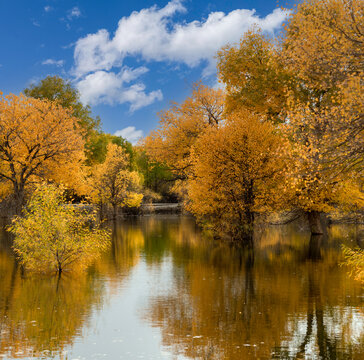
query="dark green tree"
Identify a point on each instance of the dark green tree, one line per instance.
(55, 88)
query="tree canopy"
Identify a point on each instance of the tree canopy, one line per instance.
(39, 139)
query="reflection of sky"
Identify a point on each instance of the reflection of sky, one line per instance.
(165, 291)
(119, 332)
(336, 322)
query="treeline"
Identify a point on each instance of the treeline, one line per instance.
(284, 133)
(48, 135)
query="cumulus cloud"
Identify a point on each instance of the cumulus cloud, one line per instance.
(130, 133)
(58, 63)
(48, 8)
(111, 88)
(151, 34)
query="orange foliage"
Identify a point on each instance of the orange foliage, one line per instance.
(181, 125)
(37, 139)
(237, 169)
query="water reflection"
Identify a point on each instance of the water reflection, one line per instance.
(165, 290)
(39, 316)
(286, 299)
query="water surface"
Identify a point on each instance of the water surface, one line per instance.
(164, 290)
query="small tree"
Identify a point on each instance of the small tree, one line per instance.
(52, 235)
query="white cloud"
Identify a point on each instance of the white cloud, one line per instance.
(58, 63)
(74, 13)
(109, 88)
(48, 8)
(130, 133)
(152, 35)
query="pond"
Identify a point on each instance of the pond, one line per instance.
(165, 290)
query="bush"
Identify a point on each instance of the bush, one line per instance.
(354, 258)
(54, 236)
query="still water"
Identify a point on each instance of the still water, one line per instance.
(164, 290)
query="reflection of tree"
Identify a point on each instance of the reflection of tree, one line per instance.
(321, 318)
(127, 242)
(224, 301)
(231, 303)
(44, 314)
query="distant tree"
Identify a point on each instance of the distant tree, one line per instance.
(156, 177)
(96, 148)
(38, 139)
(53, 236)
(113, 183)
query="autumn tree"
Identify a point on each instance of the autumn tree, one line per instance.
(254, 75)
(323, 46)
(38, 138)
(181, 125)
(237, 170)
(113, 183)
(310, 80)
(52, 236)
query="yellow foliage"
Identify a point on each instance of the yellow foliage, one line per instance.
(254, 75)
(112, 182)
(55, 236)
(324, 41)
(324, 48)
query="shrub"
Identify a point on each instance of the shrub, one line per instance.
(51, 235)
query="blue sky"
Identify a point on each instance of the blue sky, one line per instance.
(129, 59)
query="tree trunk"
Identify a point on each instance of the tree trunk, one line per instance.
(19, 197)
(115, 208)
(314, 247)
(314, 220)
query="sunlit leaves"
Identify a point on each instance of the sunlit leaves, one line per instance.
(180, 126)
(54, 236)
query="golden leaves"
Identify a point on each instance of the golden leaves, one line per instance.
(37, 137)
(236, 170)
(181, 125)
(112, 181)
